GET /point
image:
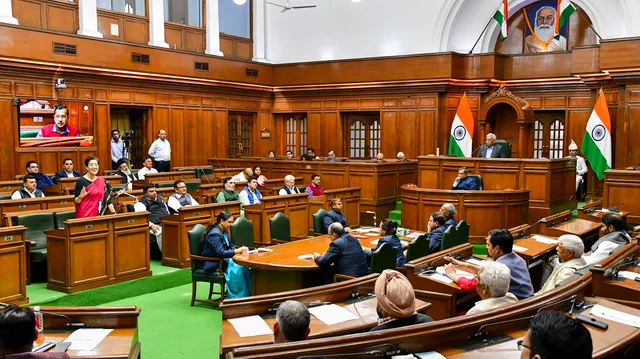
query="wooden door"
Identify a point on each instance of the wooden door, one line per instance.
(548, 135)
(239, 139)
(296, 133)
(363, 131)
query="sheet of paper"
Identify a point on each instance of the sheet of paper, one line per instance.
(87, 339)
(429, 355)
(441, 278)
(604, 210)
(615, 315)
(545, 240)
(260, 250)
(306, 256)
(366, 229)
(250, 326)
(375, 243)
(373, 234)
(414, 235)
(404, 243)
(474, 260)
(628, 275)
(519, 249)
(459, 272)
(332, 314)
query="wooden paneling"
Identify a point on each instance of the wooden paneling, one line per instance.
(50, 15)
(236, 47)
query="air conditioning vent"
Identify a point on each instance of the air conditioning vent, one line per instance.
(202, 66)
(252, 72)
(66, 49)
(140, 58)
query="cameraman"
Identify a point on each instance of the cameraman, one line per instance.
(117, 149)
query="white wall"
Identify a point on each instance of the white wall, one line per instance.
(342, 29)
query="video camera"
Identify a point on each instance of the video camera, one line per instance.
(127, 135)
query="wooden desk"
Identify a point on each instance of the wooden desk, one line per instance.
(551, 182)
(35, 204)
(7, 187)
(295, 206)
(483, 210)
(13, 265)
(122, 201)
(536, 255)
(94, 252)
(350, 205)
(122, 342)
(622, 190)
(163, 176)
(379, 182)
(8, 217)
(66, 186)
(621, 290)
(175, 240)
(270, 188)
(593, 212)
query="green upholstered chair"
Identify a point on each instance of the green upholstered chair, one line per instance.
(454, 236)
(60, 217)
(478, 180)
(5, 196)
(280, 228)
(506, 145)
(118, 187)
(242, 232)
(192, 185)
(418, 248)
(163, 184)
(383, 258)
(318, 222)
(204, 172)
(36, 224)
(196, 235)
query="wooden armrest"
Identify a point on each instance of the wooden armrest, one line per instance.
(277, 241)
(30, 244)
(201, 258)
(341, 277)
(402, 270)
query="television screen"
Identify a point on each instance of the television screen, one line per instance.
(43, 124)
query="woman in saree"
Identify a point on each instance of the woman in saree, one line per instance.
(218, 244)
(92, 193)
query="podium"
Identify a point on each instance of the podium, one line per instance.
(13, 265)
(295, 206)
(175, 241)
(93, 252)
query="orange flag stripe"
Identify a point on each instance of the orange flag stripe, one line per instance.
(602, 111)
(464, 113)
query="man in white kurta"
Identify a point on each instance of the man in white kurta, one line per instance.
(493, 285)
(570, 250)
(581, 165)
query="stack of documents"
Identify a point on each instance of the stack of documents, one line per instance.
(250, 326)
(332, 314)
(87, 339)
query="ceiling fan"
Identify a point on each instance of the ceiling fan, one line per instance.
(288, 6)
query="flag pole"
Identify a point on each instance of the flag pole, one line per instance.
(483, 30)
(586, 20)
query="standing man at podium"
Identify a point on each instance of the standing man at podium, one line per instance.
(490, 149)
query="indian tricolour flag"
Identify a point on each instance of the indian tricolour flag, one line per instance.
(461, 138)
(564, 10)
(596, 144)
(501, 16)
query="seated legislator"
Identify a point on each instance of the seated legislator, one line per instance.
(345, 252)
(448, 210)
(180, 197)
(292, 322)
(42, 179)
(127, 176)
(464, 182)
(59, 127)
(228, 192)
(29, 188)
(569, 260)
(492, 286)
(67, 171)
(147, 167)
(314, 189)
(389, 229)
(257, 173)
(310, 155)
(401, 157)
(335, 215)
(18, 332)
(289, 154)
(155, 205)
(380, 158)
(92, 194)
(289, 186)
(271, 154)
(244, 175)
(250, 194)
(614, 230)
(490, 149)
(581, 165)
(396, 302)
(217, 244)
(331, 157)
(435, 228)
(553, 335)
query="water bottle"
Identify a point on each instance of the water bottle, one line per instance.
(39, 319)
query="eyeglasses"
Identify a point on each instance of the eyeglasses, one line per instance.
(521, 345)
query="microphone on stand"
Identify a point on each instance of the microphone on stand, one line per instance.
(523, 235)
(476, 150)
(553, 222)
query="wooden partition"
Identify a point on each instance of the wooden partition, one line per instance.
(295, 206)
(564, 223)
(122, 201)
(163, 176)
(13, 265)
(66, 186)
(551, 182)
(94, 252)
(270, 188)
(622, 190)
(35, 204)
(175, 241)
(7, 187)
(483, 210)
(379, 183)
(594, 211)
(617, 288)
(350, 205)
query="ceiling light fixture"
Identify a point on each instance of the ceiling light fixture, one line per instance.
(240, 2)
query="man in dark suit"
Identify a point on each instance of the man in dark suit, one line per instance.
(335, 215)
(125, 172)
(490, 149)
(436, 227)
(448, 210)
(345, 252)
(464, 182)
(67, 171)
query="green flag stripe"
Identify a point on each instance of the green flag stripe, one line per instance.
(498, 17)
(595, 157)
(454, 148)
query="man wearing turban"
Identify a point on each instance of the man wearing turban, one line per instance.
(581, 165)
(396, 302)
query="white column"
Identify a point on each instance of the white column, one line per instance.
(212, 23)
(259, 31)
(6, 14)
(156, 23)
(88, 14)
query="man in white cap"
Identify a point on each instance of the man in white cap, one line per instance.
(401, 157)
(581, 165)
